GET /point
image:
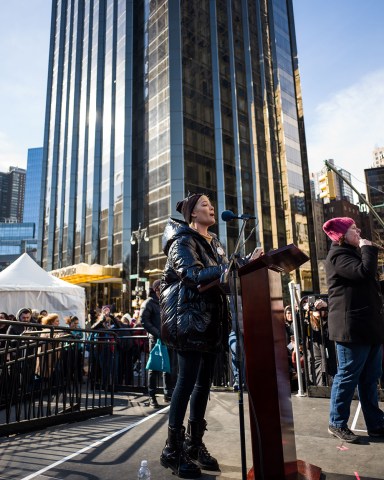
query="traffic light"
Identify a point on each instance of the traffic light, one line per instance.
(327, 186)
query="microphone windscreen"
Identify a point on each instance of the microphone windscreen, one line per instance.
(227, 215)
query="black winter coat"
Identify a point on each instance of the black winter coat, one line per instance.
(356, 312)
(192, 320)
(150, 316)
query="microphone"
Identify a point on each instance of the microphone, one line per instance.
(228, 215)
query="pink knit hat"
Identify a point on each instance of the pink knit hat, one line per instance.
(335, 228)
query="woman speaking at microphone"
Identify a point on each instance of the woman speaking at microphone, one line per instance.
(196, 325)
(356, 324)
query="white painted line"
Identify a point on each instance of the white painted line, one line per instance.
(99, 442)
(355, 418)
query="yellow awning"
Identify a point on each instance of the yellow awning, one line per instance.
(84, 273)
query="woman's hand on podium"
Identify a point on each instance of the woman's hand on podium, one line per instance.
(257, 253)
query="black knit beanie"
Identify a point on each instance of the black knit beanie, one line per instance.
(186, 206)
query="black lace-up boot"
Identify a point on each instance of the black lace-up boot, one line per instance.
(174, 457)
(196, 449)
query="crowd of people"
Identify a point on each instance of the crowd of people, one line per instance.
(316, 351)
(104, 333)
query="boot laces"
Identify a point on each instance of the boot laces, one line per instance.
(204, 451)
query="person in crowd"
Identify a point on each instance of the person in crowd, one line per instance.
(49, 353)
(43, 313)
(35, 316)
(76, 351)
(290, 343)
(107, 352)
(22, 371)
(127, 351)
(196, 325)
(135, 317)
(52, 320)
(23, 316)
(4, 374)
(356, 324)
(73, 322)
(92, 317)
(288, 321)
(141, 346)
(3, 327)
(321, 350)
(150, 320)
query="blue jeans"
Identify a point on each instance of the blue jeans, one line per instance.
(358, 366)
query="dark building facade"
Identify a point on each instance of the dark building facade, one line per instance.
(374, 178)
(148, 100)
(12, 191)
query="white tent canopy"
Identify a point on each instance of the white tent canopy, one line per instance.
(25, 284)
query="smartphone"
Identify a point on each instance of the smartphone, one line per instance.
(311, 300)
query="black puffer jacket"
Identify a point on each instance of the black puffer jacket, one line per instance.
(356, 313)
(192, 320)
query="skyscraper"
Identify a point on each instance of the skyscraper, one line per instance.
(148, 100)
(12, 190)
(3, 196)
(378, 157)
(33, 186)
(374, 178)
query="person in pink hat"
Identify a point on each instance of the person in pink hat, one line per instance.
(356, 324)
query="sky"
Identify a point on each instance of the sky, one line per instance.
(24, 45)
(341, 66)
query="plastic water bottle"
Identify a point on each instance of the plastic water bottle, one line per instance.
(144, 472)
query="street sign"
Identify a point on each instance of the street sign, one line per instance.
(132, 277)
(143, 279)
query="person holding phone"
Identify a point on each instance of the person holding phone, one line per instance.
(356, 324)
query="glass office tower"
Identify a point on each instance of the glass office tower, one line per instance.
(150, 99)
(32, 186)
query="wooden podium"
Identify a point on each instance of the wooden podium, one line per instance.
(269, 393)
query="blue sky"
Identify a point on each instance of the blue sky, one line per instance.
(24, 45)
(341, 62)
(341, 66)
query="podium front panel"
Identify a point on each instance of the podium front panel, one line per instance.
(272, 431)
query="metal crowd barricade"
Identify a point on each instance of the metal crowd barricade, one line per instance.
(48, 376)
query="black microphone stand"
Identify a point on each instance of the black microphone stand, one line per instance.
(231, 272)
